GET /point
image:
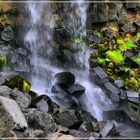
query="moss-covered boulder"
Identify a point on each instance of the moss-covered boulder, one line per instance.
(18, 82)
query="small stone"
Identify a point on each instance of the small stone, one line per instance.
(7, 34)
(129, 28)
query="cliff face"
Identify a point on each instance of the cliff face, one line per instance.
(98, 13)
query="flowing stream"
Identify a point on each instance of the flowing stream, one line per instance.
(39, 40)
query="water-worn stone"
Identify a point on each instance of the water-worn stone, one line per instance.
(65, 79)
(21, 51)
(109, 129)
(38, 119)
(92, 62)
(47, 105)
(10, 116)
(100, 72)
(69, 119)
(7, 34)
(5, 91)
(119, 83)
(76, 90)
(112, 91)
(132, 94)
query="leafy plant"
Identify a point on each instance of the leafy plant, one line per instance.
(100, 60)
(115, 56)
(137, 60)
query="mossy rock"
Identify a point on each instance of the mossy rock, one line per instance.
(132, 83)
(18, 82)
(3, 61)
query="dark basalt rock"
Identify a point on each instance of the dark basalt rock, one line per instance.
(45, 104)
(64, 79)
(92, 62)
(7, 34)
(69, 118)
(39, 120)
(109, 129)
(76, 90)
(112, 91)
(95, 39)
(129, 28)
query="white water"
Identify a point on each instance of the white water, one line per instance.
(42, 71)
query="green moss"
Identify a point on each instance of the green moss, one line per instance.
(3, 61)
(18, 82)
(137, 60)
(100, 60)
(115, 56)
(126, 69)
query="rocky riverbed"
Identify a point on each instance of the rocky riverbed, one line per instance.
(113, 66)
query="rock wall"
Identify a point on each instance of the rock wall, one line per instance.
(120, 13)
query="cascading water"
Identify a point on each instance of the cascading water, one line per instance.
(39, 40)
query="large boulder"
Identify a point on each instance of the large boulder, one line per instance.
(109, 129)
(39, 120)
(10, 116)
(23, 100)
(45, 104)
(76, 90)
(70, 119)
(65, 79)
(113, 91)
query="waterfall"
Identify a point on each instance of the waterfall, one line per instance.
(39, 40)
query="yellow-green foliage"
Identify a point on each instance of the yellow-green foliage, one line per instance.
(115, 56)
(129, 44)
(3, 61)
(18, 82)
(132, 83)
(137, 60)
(26, 86)
(100, 60)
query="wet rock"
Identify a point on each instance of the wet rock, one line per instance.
(39, 120)
(131, 94)
(7, 34)
(109, 129)
(61, 35)
(113, 91)
(68, 101)
(76, 90)
(95, 39)
(119, 83)
(65, 79)
(21, 51)
(69, 119)
(129, 28)
(10, 116)
(45, 104)
(92, 62)
(100, 74)
(129, 62)
(130, 113)
(123, 94)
